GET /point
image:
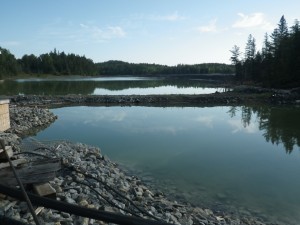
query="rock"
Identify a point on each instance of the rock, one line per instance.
(70, 200)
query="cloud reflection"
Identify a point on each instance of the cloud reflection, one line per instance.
(206, 121)
(237, 126)
(111, 116)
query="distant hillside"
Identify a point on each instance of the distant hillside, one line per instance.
(124, 68)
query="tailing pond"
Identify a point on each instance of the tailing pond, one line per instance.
(244, 159)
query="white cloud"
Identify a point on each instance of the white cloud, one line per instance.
(211, 27)
(171, 17)
(80, 33)
(117, 31)
(99, 34)
(254, 20)
(9, 43)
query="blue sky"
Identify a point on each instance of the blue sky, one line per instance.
(166, 32)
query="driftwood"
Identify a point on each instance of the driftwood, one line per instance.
(29, 173)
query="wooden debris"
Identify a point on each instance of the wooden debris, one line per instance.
(45, 190)
(14, 162)
(4, 115)
(29, 173)
(39, 210)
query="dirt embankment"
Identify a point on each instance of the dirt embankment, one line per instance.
(240, 95)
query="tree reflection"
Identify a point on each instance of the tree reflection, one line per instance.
(279, 124)
(85, 87)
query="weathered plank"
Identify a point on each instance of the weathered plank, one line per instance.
(29, 173)
(4, 115)
(14, 162)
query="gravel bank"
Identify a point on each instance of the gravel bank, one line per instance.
(240, 95)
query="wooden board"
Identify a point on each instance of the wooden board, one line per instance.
(14, 162)
(4, 115)
(34, 172)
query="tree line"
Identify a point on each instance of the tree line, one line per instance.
(54, 63)
(114, 67)
(60, 63)
(277, 64)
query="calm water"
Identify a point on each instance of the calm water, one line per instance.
(107, 86)
(241, 159)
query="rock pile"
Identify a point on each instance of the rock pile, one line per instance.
(24, 119)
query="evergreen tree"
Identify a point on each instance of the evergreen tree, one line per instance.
(250, 49)
(279, 63)
(235, 60)
(283, 30)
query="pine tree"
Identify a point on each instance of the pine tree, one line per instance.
(250, 49)
(283, 30)
(235, 55)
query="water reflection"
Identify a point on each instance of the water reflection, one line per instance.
(216, 157)
(108, 86)
(279, 124)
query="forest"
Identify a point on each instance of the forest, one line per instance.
(60, 63)
(277, 64)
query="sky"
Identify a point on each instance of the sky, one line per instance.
(167, 32)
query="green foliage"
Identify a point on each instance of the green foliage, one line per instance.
(124, 68)
(8, 64)
(58, 64)
(278, 64)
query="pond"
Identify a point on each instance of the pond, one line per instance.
(108, 86)
(244, 160)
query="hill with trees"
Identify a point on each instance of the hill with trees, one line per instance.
(60, 63)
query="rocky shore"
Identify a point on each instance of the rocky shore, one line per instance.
(77, 187)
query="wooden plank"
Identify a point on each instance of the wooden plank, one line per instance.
(4, 115)
(34, 172)
(14, 162)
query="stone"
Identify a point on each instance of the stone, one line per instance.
(45, 190)
(70, 200)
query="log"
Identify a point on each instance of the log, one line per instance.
(29, 173)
